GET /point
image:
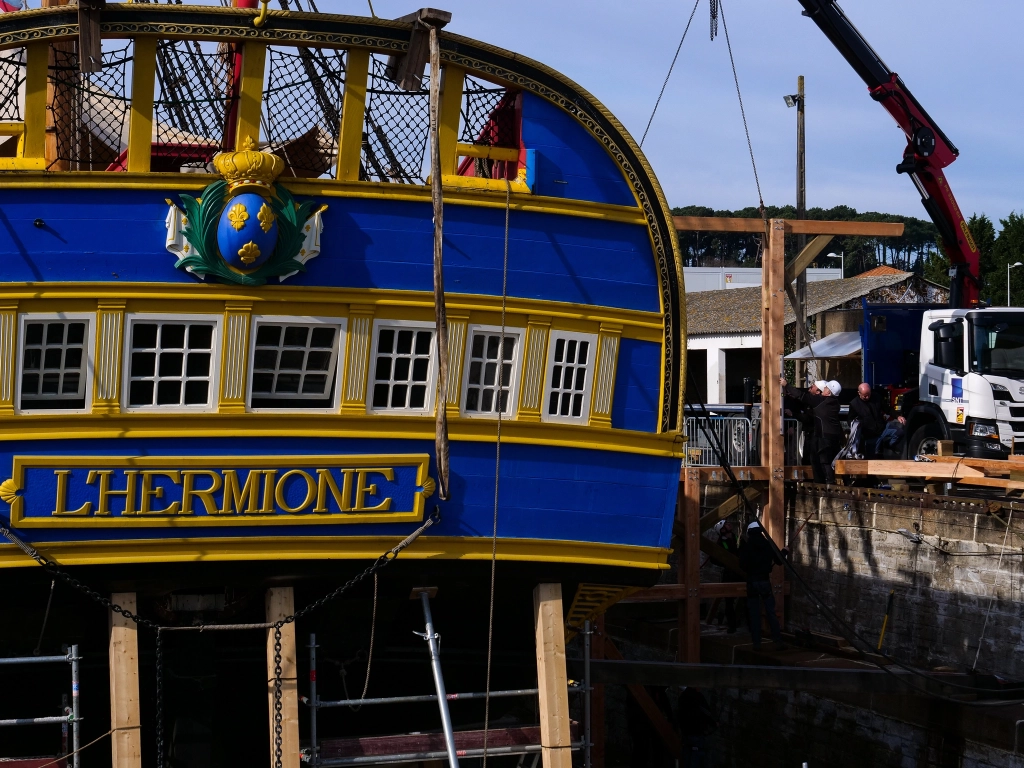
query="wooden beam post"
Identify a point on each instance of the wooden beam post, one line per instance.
(555, 736)
(597, 719)
(281, 603)
(126, 740)
(688, 567)
(140, 121)
(772, 340)
(350, 140)
(250, 93)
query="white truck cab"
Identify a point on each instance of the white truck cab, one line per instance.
(971, 382)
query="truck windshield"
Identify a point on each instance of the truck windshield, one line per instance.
(997, 345)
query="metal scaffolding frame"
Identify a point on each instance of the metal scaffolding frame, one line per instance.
(71, 716)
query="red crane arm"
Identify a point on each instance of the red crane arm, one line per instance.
(928, 149)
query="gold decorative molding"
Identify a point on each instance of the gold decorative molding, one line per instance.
(8, 356)
(357, 359)
(534, 359)
(234, 360)
(109, 344)
(604, 377)
(457, 325)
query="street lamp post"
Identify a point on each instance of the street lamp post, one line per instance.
(797, 100)
(1008, 268)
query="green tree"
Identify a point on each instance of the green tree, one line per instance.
(1008, 249)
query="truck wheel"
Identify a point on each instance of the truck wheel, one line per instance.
(925, 440)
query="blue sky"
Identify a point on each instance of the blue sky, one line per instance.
(962, 60)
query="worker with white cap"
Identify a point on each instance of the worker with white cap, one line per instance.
(827, 433)
(758, 557)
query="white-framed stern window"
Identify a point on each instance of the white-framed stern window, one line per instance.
(402, 375)
(484, 394)
(570, 377)
(295, 363)
(55, 364)
(171, 362)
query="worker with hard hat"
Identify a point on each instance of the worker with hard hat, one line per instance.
(827, 432)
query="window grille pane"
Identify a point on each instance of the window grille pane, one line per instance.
(294, 365)
(484, 393)
(53, 370)
(171, 364)
(402, 369)
(570, 379)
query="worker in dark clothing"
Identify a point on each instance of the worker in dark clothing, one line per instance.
(828, 432)
(876, 420)
(696, 723)
(727, 540)
(757, 558)
(805, 416)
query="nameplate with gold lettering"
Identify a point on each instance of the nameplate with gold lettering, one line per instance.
(185, 491)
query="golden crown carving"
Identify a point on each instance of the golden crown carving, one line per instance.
(248, 168)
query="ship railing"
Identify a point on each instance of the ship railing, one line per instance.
(734, 434)
(70, 716)
(335, 111)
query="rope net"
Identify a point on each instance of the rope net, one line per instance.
(396, 129)
(89, 110)
(302, 109)
(12, 80)
(191, 106)
(488, 115)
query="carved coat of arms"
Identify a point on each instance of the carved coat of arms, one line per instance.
(244, 229)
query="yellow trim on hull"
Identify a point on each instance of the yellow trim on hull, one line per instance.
(336, 548)
(210, 425)
(364, 190)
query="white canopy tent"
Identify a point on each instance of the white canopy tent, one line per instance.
(842, 344)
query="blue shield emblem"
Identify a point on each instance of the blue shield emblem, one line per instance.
(958, 390)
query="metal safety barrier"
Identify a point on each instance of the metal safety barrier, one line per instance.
(735, 435)
(70, 716)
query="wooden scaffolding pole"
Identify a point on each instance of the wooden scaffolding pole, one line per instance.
(688, 566)
(281, 603)
(126, 740)
(773, 291)
(555, 735)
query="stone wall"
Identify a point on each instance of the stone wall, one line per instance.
(951, 585)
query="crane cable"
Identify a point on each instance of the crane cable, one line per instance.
(497, 468)
(670, 68)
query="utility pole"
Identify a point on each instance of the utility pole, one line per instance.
(801, 213)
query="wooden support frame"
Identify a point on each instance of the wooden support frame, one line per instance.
(773, 515)
(353, 109)
(549, 622)
(125, 719)
(280, 602)
(688, 567)
(666, 732)
(792, 226)
(452, 86)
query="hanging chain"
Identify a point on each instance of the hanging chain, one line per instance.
(277, 695)
(54, 570)
(373, 633)
(159, 698)
(714, 18)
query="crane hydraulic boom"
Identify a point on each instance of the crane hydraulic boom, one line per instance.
(928, 149)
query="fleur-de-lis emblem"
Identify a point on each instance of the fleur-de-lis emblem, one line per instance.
(237, 216)
(266, 217)
(249, 252)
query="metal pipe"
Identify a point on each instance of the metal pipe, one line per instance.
(35, 721)
(586, 693)
(314, 749)
(414, 757)
(435, 665)
(74, 706)
(33, 660)
(421, 699)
